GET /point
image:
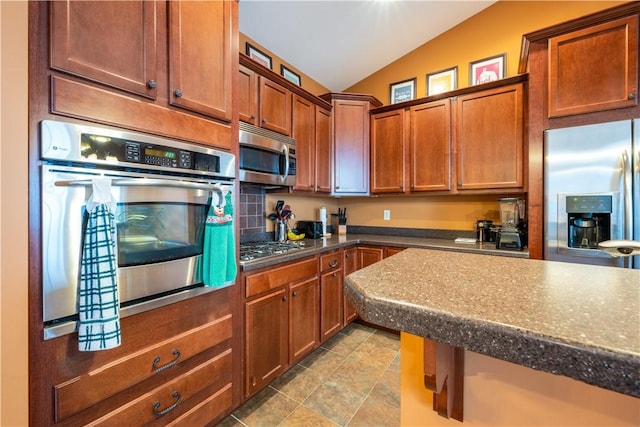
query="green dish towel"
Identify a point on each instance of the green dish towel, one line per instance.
(219, 251)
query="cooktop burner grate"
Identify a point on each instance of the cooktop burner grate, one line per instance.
(254, 250)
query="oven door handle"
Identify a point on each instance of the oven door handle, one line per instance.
(150, 182)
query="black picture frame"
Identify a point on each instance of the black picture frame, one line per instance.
(259, 56)
(401, 91)
(488, 69)
(442, 81)
(290, 75)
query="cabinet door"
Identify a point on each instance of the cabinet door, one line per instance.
(489, 138)
(275, 106)
(266, 339)
(111, 42)
(350, 264)
(303, 132)
(200, 56)
(323, 150)
(582, 81)
(387, 152)
(304, 303)
(430, 147)
(330, 303)
(351, 147)
(248, 95)
(368, 256)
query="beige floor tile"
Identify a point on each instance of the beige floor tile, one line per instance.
(343, 344)
(387, 389)
(374, 413)
(385, 340)
(298, 382)
(335, 401)
(323, 362)
(305, 417)
(268, 408)
(358, 330)
(230, 421)
(357, 375)
(395, 365)
(371, 354)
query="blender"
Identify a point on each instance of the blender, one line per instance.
(513, 233)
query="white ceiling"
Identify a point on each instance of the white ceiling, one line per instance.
(338, 43)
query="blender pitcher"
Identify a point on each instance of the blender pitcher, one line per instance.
(510, 212)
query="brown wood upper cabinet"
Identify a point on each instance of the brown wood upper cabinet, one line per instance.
(312, 131)
(126, 59)
(263, 102)
(412, 148)
(581, 81)
(120, 44)
(351, 131)
(489, 137)
(163, 67)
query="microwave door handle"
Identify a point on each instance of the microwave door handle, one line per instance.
(285, 151)
(127, 182)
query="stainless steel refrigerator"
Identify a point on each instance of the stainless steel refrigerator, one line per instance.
(592, 192)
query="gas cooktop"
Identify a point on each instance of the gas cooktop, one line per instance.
(255, 250)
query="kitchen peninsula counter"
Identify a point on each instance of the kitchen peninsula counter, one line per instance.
(579, 321)
(317, 246)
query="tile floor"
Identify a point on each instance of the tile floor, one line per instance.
(353, 379)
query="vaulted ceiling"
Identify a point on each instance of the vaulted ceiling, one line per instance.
(339, 43)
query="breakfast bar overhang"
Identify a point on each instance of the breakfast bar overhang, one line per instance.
(564, 321)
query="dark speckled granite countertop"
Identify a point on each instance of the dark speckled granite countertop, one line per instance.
(580, 321)
(317, 246)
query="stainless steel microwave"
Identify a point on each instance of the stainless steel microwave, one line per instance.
(266, 157)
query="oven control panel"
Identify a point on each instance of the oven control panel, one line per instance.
(62, 141)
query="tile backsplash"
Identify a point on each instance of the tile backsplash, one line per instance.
(252, 201)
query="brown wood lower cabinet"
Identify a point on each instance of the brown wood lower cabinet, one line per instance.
(330, 294)
(369, 255)
(281, 313)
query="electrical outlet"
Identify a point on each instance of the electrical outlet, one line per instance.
(386, 215)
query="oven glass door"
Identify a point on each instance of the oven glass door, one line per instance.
(160, 232)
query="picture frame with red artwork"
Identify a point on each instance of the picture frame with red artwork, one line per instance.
(487, 69)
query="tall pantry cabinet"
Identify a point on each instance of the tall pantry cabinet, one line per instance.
(167, 68)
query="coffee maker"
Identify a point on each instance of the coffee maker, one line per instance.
(513, 231)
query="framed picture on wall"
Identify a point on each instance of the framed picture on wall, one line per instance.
(258, 56)
(402, 91)
(442, 81)
(487, 69)
(290, 75)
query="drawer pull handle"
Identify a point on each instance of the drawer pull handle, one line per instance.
(168, 409)
(333, 263)
(158, 369)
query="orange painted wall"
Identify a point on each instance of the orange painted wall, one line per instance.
(497, 29)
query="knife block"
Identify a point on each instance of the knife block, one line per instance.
(339, 225)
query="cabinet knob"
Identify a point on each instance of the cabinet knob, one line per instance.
(253, 117)
(347, 256)
(337, 187)
(264, 120)
(295, 293)
(412, 186)
(335, 275)
(178, 93)
(632, 96)
(284, 298)
(151, 84)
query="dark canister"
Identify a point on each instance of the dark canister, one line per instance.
(483, 230)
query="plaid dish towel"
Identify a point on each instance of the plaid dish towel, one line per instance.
(98, 301)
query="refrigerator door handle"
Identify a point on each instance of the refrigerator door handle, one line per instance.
(627, 176)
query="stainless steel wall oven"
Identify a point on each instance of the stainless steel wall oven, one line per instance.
(163, 189)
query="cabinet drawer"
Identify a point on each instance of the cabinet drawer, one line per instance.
(331, 261)
(81, 392)
(279, 276)
(207, 410)
(171, 395)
